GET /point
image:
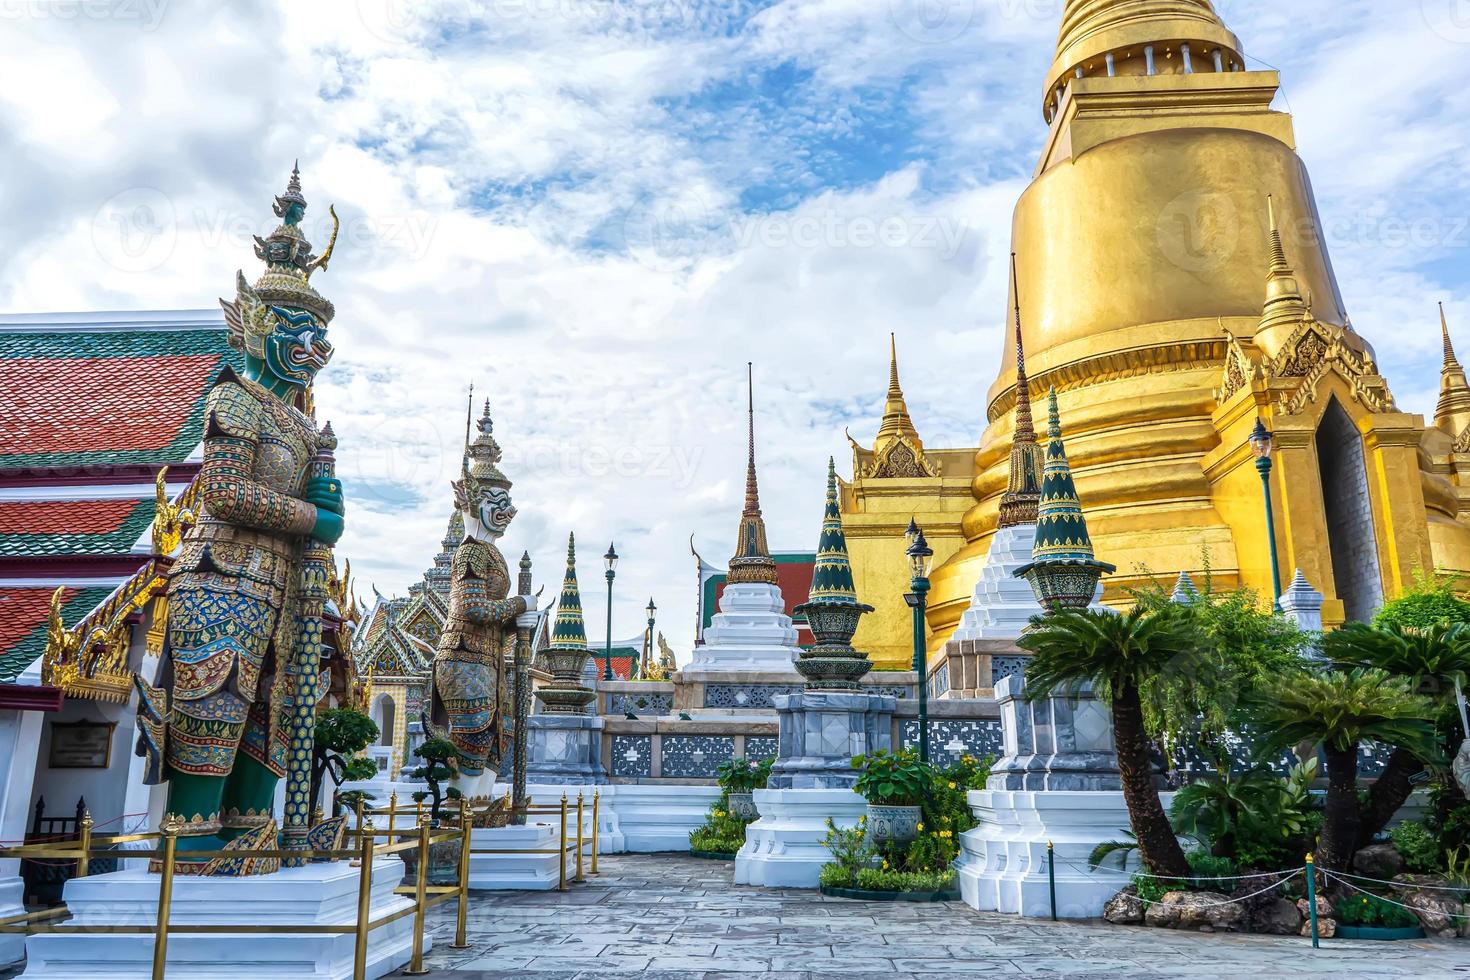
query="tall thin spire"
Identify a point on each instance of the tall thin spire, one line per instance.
(568, 632)
(1023, 487)
(1452, 413)
(1285, 306)
(469, 413)
(752, 560)
(832, 572)
(896, 421)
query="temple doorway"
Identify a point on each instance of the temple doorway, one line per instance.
(1349, 513)
(384, 711)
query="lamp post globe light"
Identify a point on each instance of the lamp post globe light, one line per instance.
(611, 561)
(648, 648)
(920, 555)
(1262, 443)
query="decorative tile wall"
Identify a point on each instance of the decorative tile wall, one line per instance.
(1004, 666)
(939, 681)
(951, 738)
(632, 755)
(745, 695)
(696, 755)
(1190, 763)
(621, 703)
(762, 746)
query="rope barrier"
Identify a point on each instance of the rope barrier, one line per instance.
(1406, 884)
(1145, 874)
(1410, 908)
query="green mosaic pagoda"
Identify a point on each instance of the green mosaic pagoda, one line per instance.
(1063, 571)
(566, 658)
(832, 608)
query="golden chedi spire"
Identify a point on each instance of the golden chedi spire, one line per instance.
(1023, 486)
(896, 421)
(1139, 37)
(1285, 306)
(752, 561)
(1452, 414)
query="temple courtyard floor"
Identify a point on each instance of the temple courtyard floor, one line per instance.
(676, 916)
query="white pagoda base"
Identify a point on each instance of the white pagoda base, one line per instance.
(1002, 605)
(319, 894)
(784, 849)
(750, 632)
(519, 870)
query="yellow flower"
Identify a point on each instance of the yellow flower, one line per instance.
(921, 826)
(951, 786)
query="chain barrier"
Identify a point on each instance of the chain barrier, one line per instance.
(1404, 884)
(1411, 908)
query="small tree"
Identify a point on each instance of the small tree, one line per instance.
(341, 734)
(438, 755)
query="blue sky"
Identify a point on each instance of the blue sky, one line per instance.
(599, 210)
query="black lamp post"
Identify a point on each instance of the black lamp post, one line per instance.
(920, 554)
(648, 649)
(611, 561)
(1261, 444)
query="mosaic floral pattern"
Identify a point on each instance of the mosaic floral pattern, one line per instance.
(762, 746)
(644, 704)
(951, 738)
(1006, 667)
(696, 755)
(939, 681)
(745, 695)
(632, 755)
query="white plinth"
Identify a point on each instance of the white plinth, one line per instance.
(609, 830)
(1002, 605)
(784, 849)
(750, 632)
(322, 894)
(523, 871)
(655, 818)
(12, 897)
(1002, 862)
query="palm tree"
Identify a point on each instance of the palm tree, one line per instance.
(1432, 660)
(1118, 653)
(1221, 808)
(1341, 711)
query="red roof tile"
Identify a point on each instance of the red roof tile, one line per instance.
(64, 516)
(86, 404)
(23, 614)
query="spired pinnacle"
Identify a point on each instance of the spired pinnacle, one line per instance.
(1061, 529)
(1285, 306)
(752, 560)
(896, 420)
(1023, 487)
(1444, 328)
(832, 574)
(1452, 413)
(569, 632)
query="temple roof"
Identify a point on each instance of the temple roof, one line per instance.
(23, 614)
(64, 528)
(85, 390)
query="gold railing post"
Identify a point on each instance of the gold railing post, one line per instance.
(580, 825)
(84, 839)
(392, 813)
(596, 800)
(466, 824)
(561, 847)
(170, 830)
(416, 965)
(365, 844)
(361, 803)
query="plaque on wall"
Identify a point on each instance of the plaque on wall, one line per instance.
(81, 744)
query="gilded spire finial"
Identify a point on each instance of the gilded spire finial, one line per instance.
(752, 560)
(894, 391)
(1285, 306)
(1444, 329)
(1452, 413)
(1023, 487)
(896, 421)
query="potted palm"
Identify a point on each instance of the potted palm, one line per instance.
(740, 778)
(895, 784)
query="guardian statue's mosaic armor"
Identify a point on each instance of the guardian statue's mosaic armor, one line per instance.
(217, 727)
(471, 693)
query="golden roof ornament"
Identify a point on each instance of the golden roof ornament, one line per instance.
(1023, 488)
(752, 561)
(1452, 412)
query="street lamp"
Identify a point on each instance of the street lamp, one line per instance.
(1261, 445)
(611, 561)
(648, 649)
(920, 554)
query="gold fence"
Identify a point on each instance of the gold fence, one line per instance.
(365, 850)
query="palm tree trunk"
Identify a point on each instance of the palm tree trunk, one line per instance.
(1156, 841)
(1340, 821)
(1389, 792)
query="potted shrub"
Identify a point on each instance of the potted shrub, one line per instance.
(895, 784)
(740, 778)
(439, 757)
(1370, 917)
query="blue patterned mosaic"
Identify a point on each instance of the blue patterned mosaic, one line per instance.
(1189, 762)
(696, 755)
(892, 690)
(939, 681)
(950, 738)
(632, 755)
(746, 695)
(640, 704)
(762, 746)
(1001, 667)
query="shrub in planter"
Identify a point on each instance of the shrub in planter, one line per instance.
(723, 831)
(896, 785)
(740, 778)
(1370, 910)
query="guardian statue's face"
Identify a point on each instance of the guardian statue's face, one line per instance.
(297, 346)
(496, 511)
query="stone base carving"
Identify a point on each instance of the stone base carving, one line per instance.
(784, 849)
(1002, 605)
(1057, 743)
(821, 731)
(565, 749)
(532, 872)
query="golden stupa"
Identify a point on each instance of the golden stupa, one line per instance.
(1174, 287)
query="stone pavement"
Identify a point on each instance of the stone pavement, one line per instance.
(668, 916)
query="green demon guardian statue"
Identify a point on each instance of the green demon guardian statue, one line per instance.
(218, 727)
(471, 692)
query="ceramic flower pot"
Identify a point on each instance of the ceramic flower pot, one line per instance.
(742, 805)
(898, 824)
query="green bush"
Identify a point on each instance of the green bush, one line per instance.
(743, 775)
(1151, 889)
(1430, 602)
(1209, 868)
(723, 832)
(1418, 846)
(893, 778)
(836, 876)
(880, 880)
(849, 847)
(1370, 910)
